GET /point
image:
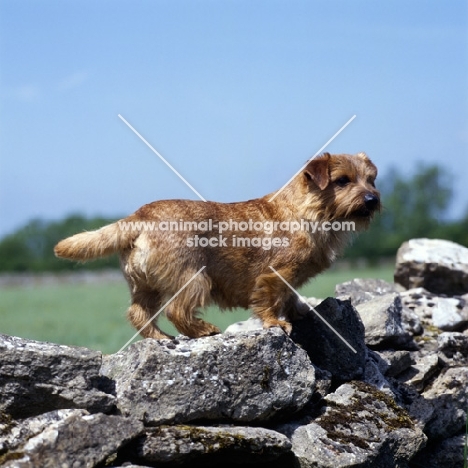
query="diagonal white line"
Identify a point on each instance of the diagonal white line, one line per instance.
(160, 157)
(161, 309)
(313, 310)
(315, 155)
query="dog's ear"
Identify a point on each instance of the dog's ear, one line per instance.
(363, 156)
(317, 171)
(367, 160)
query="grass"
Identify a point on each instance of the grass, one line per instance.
(93, 315)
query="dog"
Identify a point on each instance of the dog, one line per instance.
(238, 263)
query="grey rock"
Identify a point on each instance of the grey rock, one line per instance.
(341, 316)
(443, 313)
(453, 349)
(73, 438)
(336, 346)
(425, 367)
(319, 340)
(15, 433)
(419, 409)
(127, 465)
(436, 313)
(450, 313)
(449, 397)
(446, 454)
(373, 374)
(411, 321)
(300, 309)
(420, 301)
(392, 363)
(440, 266)
(464, 297)
(251, 324)
(323, 382)
(382, 321)
(37, 377)
(418, 305)
(234, 443)
(244, 377)
(361, 290)
(313, 301)
(360, 426)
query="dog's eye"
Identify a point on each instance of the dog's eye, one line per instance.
(342, 181)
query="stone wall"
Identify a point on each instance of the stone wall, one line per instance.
(376, 377)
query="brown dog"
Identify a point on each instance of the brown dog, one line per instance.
(246, 247)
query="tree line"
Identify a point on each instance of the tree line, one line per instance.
(31, 248)
(414, 205)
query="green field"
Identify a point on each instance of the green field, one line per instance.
(93, 315)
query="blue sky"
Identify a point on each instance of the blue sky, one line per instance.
(236, 95)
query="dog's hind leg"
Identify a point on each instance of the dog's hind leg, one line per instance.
(145, 304)
(184, 308)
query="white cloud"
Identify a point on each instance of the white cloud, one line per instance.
(73, 81)
(32, 92)
(24, 93)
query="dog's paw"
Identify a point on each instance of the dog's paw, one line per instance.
(200, 329)
(211, 330)
(286, 326)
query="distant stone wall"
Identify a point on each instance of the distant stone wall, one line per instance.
(41, 279)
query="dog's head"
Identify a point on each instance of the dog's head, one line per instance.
(343, 187)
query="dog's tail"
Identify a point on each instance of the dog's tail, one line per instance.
(94, 244)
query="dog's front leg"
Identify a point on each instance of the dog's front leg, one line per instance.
(268, 298)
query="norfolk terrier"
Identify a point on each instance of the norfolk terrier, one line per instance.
(244, 252)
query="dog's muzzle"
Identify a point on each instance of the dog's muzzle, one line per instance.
(371, 201)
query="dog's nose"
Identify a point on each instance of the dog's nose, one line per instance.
(371, 201)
